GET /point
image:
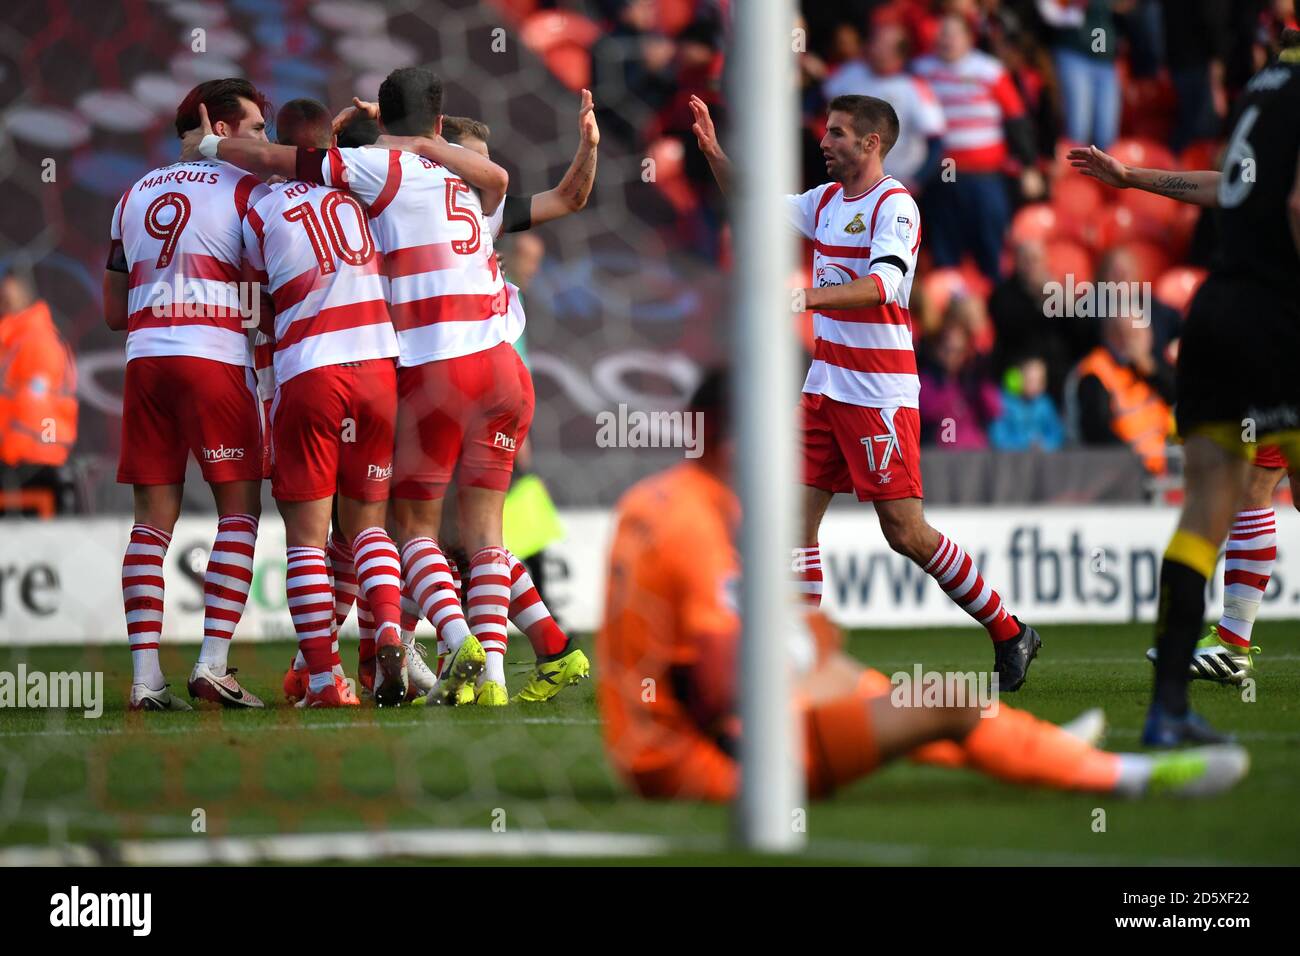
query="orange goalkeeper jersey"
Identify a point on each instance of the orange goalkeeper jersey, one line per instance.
(672, 577)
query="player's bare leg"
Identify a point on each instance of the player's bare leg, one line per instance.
(1223, 654)
(156, 509)
(807, 562)
(427, 577)
(1015, 645)
(1215, 480)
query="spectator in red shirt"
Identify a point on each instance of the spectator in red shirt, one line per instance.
(968, 209)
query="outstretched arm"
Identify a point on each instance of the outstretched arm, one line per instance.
(707, 138)
(261, 159)
(571, 193)
(1199, 187)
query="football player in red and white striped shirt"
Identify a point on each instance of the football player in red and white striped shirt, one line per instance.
(460, 398)
(559, 662)
(861, 425)
(335, 404)
(174, 283)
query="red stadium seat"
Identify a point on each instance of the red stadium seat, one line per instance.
(1077, 200)
(977, 283)
(1155, 214)
(1035, 221)
(1060, 164)
(942, 284)
(517, 10)
(1177, 286)
(1136, 151)
(548, 28)
(1065, 257)
(1181, 229)
(1115, 226)
(570, 64)
(1151, 260)
(674, 15)
(1203, 154)
(667, 154)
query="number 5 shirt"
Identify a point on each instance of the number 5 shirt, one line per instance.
(445, 292)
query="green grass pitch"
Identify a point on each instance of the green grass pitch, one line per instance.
(541, 766)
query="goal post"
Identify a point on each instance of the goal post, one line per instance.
(763, 357)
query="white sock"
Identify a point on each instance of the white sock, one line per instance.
(147, 669)
(495, 668)
(1134, 774)
(215, 652)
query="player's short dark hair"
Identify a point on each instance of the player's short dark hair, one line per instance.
(870, 114)
(360, 130)
(410, 101)
(303, 122)
(456, 128)
(712, 399)
(222, 98)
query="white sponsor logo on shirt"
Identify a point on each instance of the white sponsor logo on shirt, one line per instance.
(222, 453)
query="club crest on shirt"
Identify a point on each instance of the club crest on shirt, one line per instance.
(856, 225)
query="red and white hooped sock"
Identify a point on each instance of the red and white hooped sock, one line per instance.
(956, 573)
(1247, 568)
(807, 568)
(379, 578)
(487, 606)
(339, 553)
(142, 600)
(366, 625)
(428, 580)
(311, 605)
(226, 582)
(529, 613)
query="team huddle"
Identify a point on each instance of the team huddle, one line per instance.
(352, 265)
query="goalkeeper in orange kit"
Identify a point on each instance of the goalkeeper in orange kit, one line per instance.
(667, 665)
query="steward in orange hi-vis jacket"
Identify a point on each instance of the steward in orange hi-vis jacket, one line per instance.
(38, 387)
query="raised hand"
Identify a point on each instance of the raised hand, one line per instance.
(345, 115)
(705, 135)
(1091, 161)
(588, 131)
(191, 140)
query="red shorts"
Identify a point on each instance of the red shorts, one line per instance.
(874, 452)
(332, 430)
(1270, 456)
(173, 405)
(461, 417)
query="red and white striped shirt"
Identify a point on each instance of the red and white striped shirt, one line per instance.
(312, 246)
(977, 96)
(445, 292)
(180, 229)
(862, 356)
